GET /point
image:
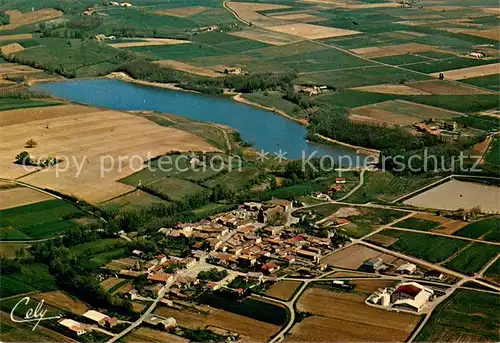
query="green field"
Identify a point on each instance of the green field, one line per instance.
(7, 104)
(418, 224)
(181, 52)
(493, 155)
(135, 200)
(73, 57)
(485, 227)
(479, 122)
(276, 100)
(467, 316)
(30, 278)
(40, 220)
(96, 254)
(493, 272)
(174, 189)
(491, 82)
(401, 59)
(430, 248)
(449, 64)
(384, 186)
(472, 259)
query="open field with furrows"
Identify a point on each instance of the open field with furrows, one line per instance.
(94, 139)
(145, 334)
(340, 316)
(62, 301)
(39, 220)
(354, 256)
(472, 259)
(427, 247)
(149, 42)
(256, 330)
(17, 18)
(392, 50)
(17, 332)
(248, 11)
(433, 67)
(111, 282)
(311, 31)
(446, 88)
(466, 316)
(459, 194)
(470, 72)
(96, 254)
(7, 104)
(487, 229)
(189, 68)
(391, 89)
(490, 81)
(283, 290)
(31, 278)
(273, 38)
(384, 186)
(444, 225)
(20, 196)
(183, 12)
(174, 189)
(417, 224)
(12, 48)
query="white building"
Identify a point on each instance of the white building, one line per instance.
(73, 326)
(411, 296)
(407, 268)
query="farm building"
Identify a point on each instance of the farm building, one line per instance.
(160, 322)
(73, 326)
(407, 268)
(411, 296)
(373, 265)
(161, 277)
(100, 318)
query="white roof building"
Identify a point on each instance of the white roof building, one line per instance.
(407, 268)
(95, 316)
(411, 295)
(73, 325)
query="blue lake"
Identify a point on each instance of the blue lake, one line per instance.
(265, 130)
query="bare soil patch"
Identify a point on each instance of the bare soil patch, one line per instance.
(189, 68)
(11, 68)
(110, 282)
(382, 116)
(266, 36)
(62, 301)
(459, 194)
(310, 31)
(19, 36)
(304, 17)
(466, 73)
(351, 257)
(20, 196)
(444, 87)
(393, 50)
(94, 139)
(450, 227)
(489, 34)
(431, 217)
(350, 5)
(145, 334)
(183, 12)
(383, 240)
(18, 18)
(370, 286)
(345, 317)
(150, 42)
(283, 290)
(248, 11)
(257, 331)
(11, 48)
(391, 89)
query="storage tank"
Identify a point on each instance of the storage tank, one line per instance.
(386, 299)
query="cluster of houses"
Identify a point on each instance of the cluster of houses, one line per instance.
(436, 128)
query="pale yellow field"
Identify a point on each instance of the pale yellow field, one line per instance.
(18, 18)
(11, 48)
(183, 12)
(20, 196)
(351, 257)
(392, 89)
(145, 334)
(62, 301)
(344, 317)
(444, 87)
(283, 289)
(15, 37)
(304, 17)
(490, 34)
(310, 31)
(266, 36)
(11, 68)
(150, 42)
(90, 140)
(466, 73)
(189, 68)
(248, 12)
